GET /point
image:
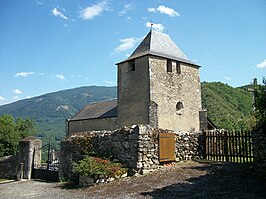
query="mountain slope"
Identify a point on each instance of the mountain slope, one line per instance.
(51, 110)
(227, 107)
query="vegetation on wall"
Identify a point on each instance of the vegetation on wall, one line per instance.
(12, 131)
(96, 167)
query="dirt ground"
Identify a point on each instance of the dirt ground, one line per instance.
(183, 180)
(188, 180)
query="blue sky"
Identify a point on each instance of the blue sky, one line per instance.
(50, 45)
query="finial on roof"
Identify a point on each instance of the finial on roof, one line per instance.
(151, 24)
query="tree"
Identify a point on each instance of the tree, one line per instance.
(260, 105)
(11, 132)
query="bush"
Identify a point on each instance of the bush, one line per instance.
(96, 167)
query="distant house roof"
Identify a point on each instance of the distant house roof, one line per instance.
(101, 109)
(159, 44)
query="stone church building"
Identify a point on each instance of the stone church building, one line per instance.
(157, 85)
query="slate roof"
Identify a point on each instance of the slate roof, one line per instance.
(102, 109)
(159, 44)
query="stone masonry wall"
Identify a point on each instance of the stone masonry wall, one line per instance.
(8, 167)
(19, 166)
(133, 93)
(259, 148)
(189, 145)
(136, 147)
(169, 88)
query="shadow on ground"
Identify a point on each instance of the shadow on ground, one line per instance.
(222, 180)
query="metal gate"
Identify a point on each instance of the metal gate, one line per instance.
(48, 169)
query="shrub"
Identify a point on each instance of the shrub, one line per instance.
(96, 167)
(115, 170)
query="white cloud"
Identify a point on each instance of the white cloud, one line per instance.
(2, 98)
(158, 26)
(17, 91)
(28, 97)
(60, 77)
(227, 78)
(127, 7)
(94, 10)
(165, 10)
(39, 3)
(169, 11)
(108, 82)
(127, 43)
(151, 9)
(24, 74)
(262, 64)
(58, 13)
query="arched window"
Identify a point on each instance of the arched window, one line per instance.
(179, 107)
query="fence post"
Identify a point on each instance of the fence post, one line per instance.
(204, 155)
(226, 146)
(48, 158)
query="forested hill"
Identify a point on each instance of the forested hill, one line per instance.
(228, 107)
(51, 110)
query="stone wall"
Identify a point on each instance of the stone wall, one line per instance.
(149, 94)
(259, 148)
(189, 145)
(169, 88)
(20, 166)
(8, 167)
(133, 93)
(28, 155)
(137, 147)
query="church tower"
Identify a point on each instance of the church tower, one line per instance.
(159, 85)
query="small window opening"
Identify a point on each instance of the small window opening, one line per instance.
(132, 66)
(169, 65)
(179, 107)
(178, 68)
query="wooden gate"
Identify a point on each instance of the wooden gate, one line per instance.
(48, 170)
(229, 146)
(166, 147)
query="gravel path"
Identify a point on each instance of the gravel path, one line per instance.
(184, 180)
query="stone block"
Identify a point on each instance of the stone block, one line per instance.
(85, 181)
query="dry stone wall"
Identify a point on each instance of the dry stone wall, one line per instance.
(8, 167)
(259, 144)
(189, 145)
(136, 146)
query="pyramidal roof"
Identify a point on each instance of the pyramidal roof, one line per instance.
(159, 44)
